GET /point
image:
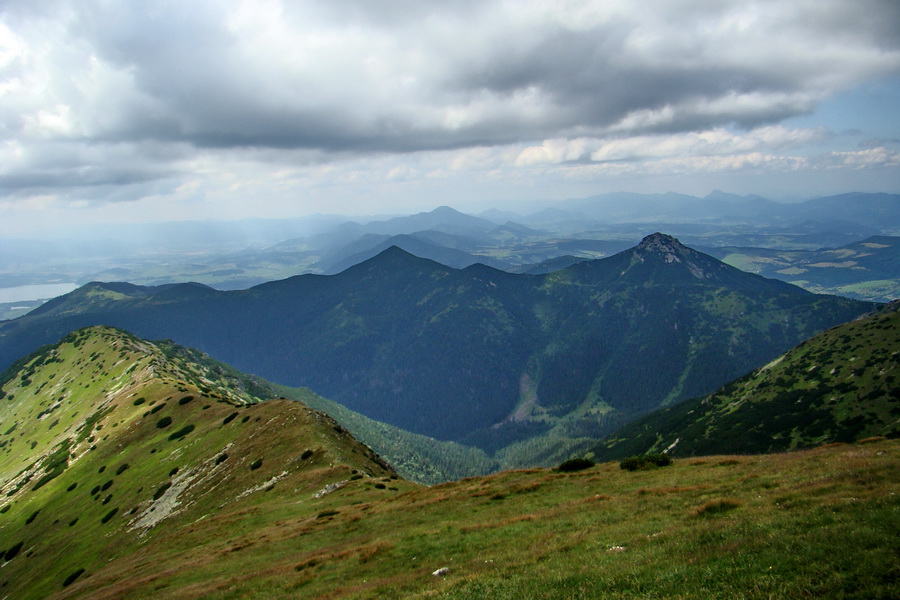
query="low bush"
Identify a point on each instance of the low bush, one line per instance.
(256, 464)
(109, 515)
(122, 468)
(229, 418)
(221, 458)
(185, 400)
(575, 464)
(139, 401)
(12, 552)
(164, 422)
(162, 490)
(181, 433)
(306, 454)
(33, 516)
(645, 461)
(72, 577)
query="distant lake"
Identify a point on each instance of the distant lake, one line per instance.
(23, 293)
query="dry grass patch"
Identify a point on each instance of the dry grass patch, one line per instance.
(594, 499)
(497, 524)
(716, 507)
(663, 491)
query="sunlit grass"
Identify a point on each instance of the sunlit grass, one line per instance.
(821, 523)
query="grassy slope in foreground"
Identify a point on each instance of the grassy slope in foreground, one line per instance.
(108, 444)
(241, 527)
(839, 386)
(809, 524)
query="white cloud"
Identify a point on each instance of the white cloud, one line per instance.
(106, 101)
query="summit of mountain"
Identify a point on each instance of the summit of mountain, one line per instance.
(660, 258)
(416, 245)
(442, 218)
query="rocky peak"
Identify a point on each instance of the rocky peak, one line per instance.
(664, 245)
(665, 248)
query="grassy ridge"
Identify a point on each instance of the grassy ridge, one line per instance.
(812, 524)
(108, 441)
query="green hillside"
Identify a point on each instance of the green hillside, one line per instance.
(105, 438)
(842, 385)
(815, 524)
(109, 493)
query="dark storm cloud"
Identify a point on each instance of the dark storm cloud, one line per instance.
(416, 76)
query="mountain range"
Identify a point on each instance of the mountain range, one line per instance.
(478, 355)
(240, 254)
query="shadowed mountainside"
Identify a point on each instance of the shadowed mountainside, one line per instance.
(477, 355)
(839, 386)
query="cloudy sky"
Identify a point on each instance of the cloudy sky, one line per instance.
(117, 110)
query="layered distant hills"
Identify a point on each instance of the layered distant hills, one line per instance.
(478, 355)
(240, 254)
